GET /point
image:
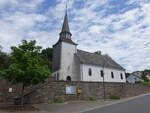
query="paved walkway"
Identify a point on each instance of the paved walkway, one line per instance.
(67, 107)
(71, 107)
(76, 106)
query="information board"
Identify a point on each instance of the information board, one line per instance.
(71, 89)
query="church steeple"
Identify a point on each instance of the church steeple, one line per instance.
(65, 32)
(65, 27)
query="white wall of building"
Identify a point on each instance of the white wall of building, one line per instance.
(96, 75)
(69, 65)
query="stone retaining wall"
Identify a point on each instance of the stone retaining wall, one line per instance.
(54, 89)
(7, 97)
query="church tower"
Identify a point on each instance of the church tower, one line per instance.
(63, 54)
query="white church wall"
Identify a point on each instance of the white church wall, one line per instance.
(96, 74)
(68, 64)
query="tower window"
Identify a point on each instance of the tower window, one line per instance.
(102, 73)
(90, 72)
(112, 75)
(121, 76)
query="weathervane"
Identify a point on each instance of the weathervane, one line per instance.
(66, 5)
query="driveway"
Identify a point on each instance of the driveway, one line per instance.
(138, 105)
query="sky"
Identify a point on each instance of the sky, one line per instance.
(119, 28)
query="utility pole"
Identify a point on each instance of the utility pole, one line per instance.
(104, 82)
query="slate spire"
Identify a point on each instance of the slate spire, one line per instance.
(65, 32)
(65, 27)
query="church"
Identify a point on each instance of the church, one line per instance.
(72, 64)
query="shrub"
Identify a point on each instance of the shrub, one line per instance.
(59, 100)
(114, 97)
(92, 99)
(145, 83)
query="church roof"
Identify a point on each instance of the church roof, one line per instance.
(65, 40)
(100, 60)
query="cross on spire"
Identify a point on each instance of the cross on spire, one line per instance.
(66, 5)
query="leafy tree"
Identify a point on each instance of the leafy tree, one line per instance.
(147, 71)
(5, 60)
(28, 67)
(47, 56)
(48, 52)
(144, 75)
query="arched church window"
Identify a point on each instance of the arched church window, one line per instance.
(121, 76)
(68, 78)
(102, 73)
(112, 75)
(90, 72)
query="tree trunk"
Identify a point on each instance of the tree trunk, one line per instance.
(22, 95)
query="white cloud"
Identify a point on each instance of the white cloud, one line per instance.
(126, 43)
(124, 36)
(20, 4)
(96, 28)
(15, 25)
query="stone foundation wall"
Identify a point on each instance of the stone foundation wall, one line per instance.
(54, 89)
(7, 97)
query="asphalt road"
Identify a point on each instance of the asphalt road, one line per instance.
(138, 105)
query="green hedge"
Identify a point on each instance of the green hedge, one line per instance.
(59, 100)
(114, 97)
(145, 83)
(92, 99)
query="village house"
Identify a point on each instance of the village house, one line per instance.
(72, 64)
(132, 78)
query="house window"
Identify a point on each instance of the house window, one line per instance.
(121, 76)
(90, 72)
(102, 73)
(112, 75)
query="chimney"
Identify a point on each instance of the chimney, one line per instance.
(98, 52)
